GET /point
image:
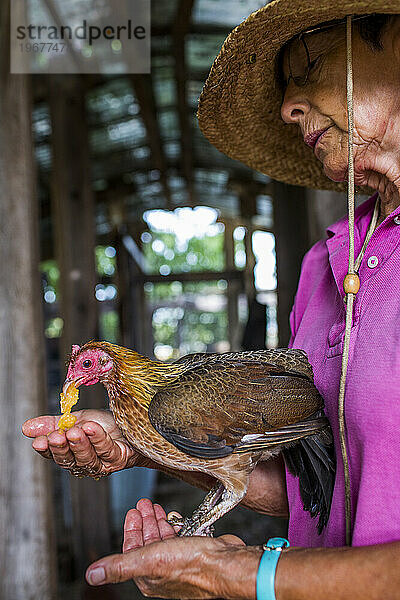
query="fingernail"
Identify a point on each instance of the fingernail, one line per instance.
(96, 576)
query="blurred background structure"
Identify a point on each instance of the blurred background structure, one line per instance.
(141, 233)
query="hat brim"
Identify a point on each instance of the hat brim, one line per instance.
(239, 107)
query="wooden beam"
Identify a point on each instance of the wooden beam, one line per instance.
(27, 550)
(142, 86)
(196, 28)
(74, 234)
(180, 29)
(324, 208)
(191, 276)
(136, 331)
(233, 289)
(247, 194)
(115, 189)
(75, 56)
(291, 243)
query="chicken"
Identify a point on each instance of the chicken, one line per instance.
(218, 414)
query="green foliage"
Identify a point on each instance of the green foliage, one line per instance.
(105, 267)
(184, 324)
(164, 254)
(187, 317)
(105, 262)
(54, 327)
(109, 326)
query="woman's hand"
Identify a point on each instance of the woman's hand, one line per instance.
(165, 566)
(93, 447)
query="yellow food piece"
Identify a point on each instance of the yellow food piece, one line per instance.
(67, 401)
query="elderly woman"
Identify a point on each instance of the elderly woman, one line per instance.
(299, 49)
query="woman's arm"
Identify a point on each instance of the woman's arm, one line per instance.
(95, 447)
(266, 493)
(224, 567)
(213, 568)
(267, 489)
(363, 573)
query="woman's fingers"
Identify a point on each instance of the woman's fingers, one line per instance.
(93, 447)
(133, 530)
(144, 525)
(40, 426)
(151, 532)
(87, 447)
(60, 449)
(159, 512)
(104, 446)
(83, 452)
(41, 445)
(166, 530)
(73, 450)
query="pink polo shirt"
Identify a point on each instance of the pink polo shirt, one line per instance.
(372, 403)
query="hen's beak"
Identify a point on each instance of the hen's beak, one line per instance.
(70, 382)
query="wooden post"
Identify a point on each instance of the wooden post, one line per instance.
(247, 193)
(180, 29)
(74, 235)
(291, 242)
(27, 549)
(324, 209)
(232, 291)
(132, 304)
(250, 285)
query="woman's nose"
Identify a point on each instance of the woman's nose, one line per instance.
(294, 106)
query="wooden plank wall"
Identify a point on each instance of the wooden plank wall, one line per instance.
(27, 550)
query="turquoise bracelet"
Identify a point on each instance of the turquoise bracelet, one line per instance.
(267, 568)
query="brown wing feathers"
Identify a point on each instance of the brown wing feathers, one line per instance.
(251, 403)
(212, 407)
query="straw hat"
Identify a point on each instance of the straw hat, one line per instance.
(239, 108)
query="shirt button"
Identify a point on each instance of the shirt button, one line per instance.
(397, 219)
(372, 262)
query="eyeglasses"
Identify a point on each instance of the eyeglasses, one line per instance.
(300, 60)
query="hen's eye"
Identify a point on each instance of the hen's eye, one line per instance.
(87, 363)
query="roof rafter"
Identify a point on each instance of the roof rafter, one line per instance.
(142, 85)
(180, 29)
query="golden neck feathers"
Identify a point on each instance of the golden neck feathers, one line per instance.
(137, 375)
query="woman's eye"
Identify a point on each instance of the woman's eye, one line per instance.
(87, 363)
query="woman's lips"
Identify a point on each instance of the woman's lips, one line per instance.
(313, 138)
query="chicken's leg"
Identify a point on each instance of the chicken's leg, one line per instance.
(203, 518)
(205, 507)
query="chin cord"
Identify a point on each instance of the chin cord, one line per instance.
(351, 284)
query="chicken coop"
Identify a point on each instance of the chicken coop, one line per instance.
(119, 221)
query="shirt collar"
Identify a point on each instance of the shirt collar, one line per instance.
(341, 227)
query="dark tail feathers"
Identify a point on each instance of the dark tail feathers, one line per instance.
(312, 460)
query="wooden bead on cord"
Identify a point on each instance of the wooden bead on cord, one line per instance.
(351, 283)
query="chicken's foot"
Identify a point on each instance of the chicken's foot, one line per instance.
(201, 520)
(208, 503)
